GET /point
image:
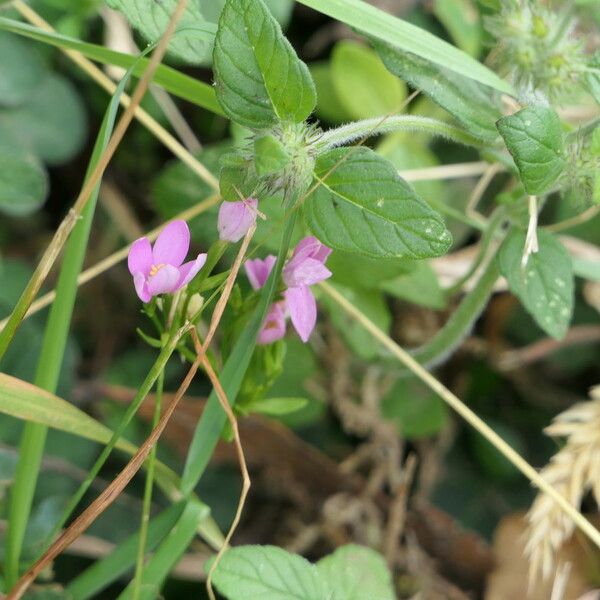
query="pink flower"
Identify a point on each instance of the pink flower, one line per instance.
(273, 328)
(258, 270)
(236, 218)
(305, 268)
(159, 269)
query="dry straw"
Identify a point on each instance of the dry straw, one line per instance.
(573, 472)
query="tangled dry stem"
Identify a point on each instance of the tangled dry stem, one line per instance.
(573, 472)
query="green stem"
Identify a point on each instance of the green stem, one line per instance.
(213, 419)
(379, 125)
(141, 552)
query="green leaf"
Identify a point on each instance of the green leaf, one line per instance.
(534, 137)
(267, 572)
(545, 286)
(420, 287)
(371, 303)
(259, 79)
(375, 22)
(269, 155)
(362, 83)
(473, 105)
(355, 572)
(329, 107)
(23, 184)
(364, 206)
(52, 124)
(277, 406)
(21, 70)
(194, 37)
(173, 81)
(416, 411)
(373, 271)
(281, 9)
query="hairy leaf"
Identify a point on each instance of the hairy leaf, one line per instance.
(23, 184)
(470, 103)
(545, 286)
(259, 79)
(363, 206)
(259, 572)
(535, 139)
(355, 572)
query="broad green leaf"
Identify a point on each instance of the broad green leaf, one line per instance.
(355, 572)
(473, 105)
(420, 286)
(363, 206)
(461, 19)
(52, 124)
(371, 303)
(416, 411)
(373, 271)
(545, 286)
(375, 22)
(259, 79)
(23, 184)
(329, 106)
(362, 83)
(534, 137)
(173, 81)
(281, 9)
(194, 37)
(21, 70)
(267, 572)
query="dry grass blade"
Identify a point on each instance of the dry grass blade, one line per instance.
(65, 228)
(573, 471)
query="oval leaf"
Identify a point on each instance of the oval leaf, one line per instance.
(364, 206)
(259, 572)
(545, 286)
(23, 184)
(259, 79)
(355, 573)
(535, 139)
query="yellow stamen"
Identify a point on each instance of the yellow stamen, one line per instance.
(155, 269)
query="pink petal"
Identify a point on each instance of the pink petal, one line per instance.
(303, 310)
(307, 272)
(165, 281)
(258, 270)
(273, 328)
(172, 244)
(188, 270)
(311, 247)
(141, 287)
(236, 218)
(139, 259)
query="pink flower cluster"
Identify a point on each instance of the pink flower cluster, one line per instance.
(304, 269)
(160, 269)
